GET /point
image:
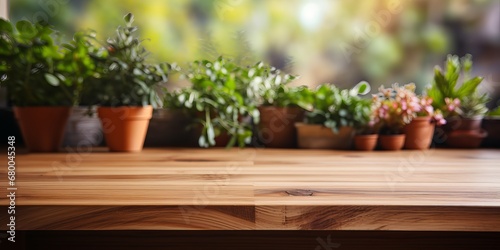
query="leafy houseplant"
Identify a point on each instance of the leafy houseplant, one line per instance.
(448, 95)
(333, 115)
(78, 65)
(126, 89)
(38, 89)
(462, 105)
(278, 104)
(221, 98)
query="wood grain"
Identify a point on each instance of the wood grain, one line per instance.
(444, 190)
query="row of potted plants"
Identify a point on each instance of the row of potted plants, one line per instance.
(226, 104)
(45, 79)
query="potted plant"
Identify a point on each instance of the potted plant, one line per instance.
(420, 130)
(170, 124)
(490, 124)
(42, 99)
(279, 106)
(220, 98)
(78, 65)
(466, 131)
(393, 109)
(366, 137)
(127, 89)
(334, 113)
(462, 106)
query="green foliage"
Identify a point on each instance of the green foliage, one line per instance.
(127, 79)
(445, 84)
(79, 63)
(494, 112)
(270, 86)
(28, 60)
(335, 108)
(473, 106)
(220, 98)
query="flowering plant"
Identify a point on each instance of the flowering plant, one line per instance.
(397, 106)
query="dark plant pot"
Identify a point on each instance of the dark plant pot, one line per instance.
(312, 136)
(492, 127)
(365, 142)
(466, 138)
(419, 133)
(277, 126)
(125, 127)
(392, 142)
(82, 129)
(42, 127)
(9, 126)
(168, 128)
(459, 123)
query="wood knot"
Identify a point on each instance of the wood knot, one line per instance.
(300, 192)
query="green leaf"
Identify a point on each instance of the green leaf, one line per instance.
(24, 26)
(129, 18)
(211, 134)
(469, 87)
(5, 25)
(52, 80)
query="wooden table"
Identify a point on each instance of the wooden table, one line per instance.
(436, 190)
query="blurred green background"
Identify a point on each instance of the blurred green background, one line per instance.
(336, 41)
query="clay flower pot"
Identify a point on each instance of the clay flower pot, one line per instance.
(466, 138)
(365, 142)
(277, 126)
(312, 136)
(392, 142)
(125, 127)
(419, 133)
(42, 127)
(492, 127)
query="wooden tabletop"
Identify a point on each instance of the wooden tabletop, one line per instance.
(437, 189)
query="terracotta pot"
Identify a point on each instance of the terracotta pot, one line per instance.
(365, 142)
(392, 142)
(168, 128)
(419, 133)
(125, 127)
(466, 138)
(277, 126)
(492, 127)
(42, 127)
(312, 136)
(459, 123)
(83, 130)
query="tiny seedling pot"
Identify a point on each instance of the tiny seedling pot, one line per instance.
(365, 142)
(392, 142)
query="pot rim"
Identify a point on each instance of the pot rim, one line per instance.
(492, 117)
(367, 136)
(474, 118)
